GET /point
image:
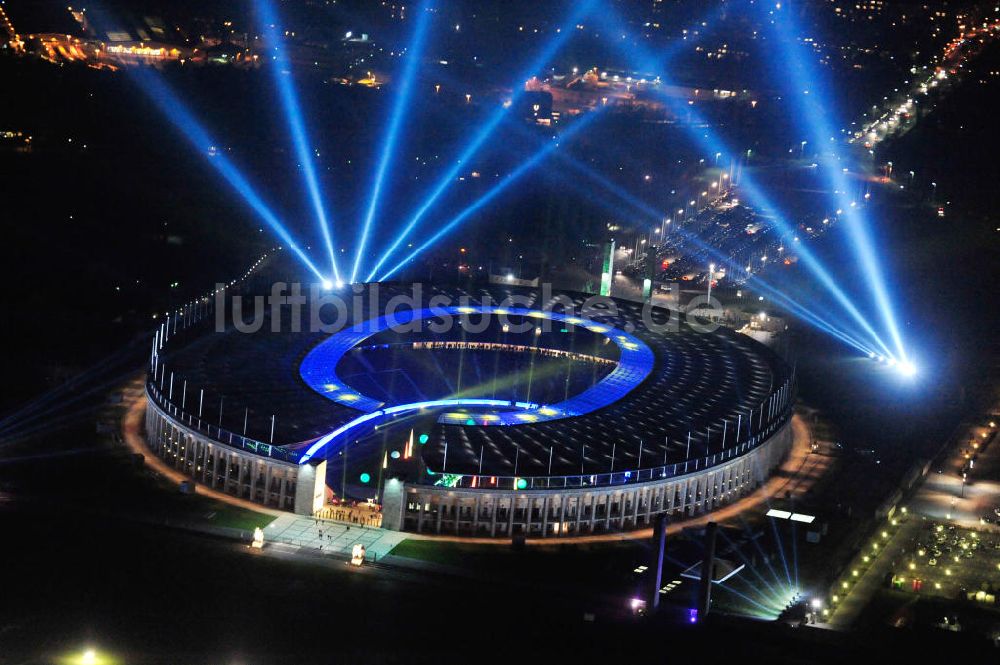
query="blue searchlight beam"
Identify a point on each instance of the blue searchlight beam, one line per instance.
(567, 29)
(281, 70)
(714, 144)
(533, 161)
(175, 111)
(810, 97)
(415, 52)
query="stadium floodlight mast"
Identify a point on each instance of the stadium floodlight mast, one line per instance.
(567, 29)
(413, 56)
(152, 84)
(282, 73)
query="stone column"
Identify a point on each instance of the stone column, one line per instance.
(563, 499)
(475, 515)
(244, 463)
(579, 512)
(254, 473)
(267, 483)
(282, 489)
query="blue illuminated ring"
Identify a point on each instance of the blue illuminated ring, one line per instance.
(319, 371)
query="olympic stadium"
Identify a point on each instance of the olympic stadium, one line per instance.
(486, 411)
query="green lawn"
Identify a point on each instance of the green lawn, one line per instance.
(607, 567)
(452, 554)
(234, 517)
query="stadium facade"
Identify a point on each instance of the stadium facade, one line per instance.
(547, 414)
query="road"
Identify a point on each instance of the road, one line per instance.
(942, 496)
(854, 601)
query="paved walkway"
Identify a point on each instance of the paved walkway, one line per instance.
(135, 410)
(326, 536)
(946, 497)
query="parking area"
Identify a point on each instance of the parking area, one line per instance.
(951, 562)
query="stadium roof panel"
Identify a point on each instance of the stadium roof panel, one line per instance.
(675, 385)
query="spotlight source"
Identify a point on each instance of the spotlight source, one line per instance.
(782, 298)
(752, 189)
(795, 65)
(327, 285)
(907, 368)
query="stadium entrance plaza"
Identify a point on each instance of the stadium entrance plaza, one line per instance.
(328, 536)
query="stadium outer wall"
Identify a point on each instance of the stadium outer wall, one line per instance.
(581, 511)
(271, 475)
(300, 488)
(537, 513)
